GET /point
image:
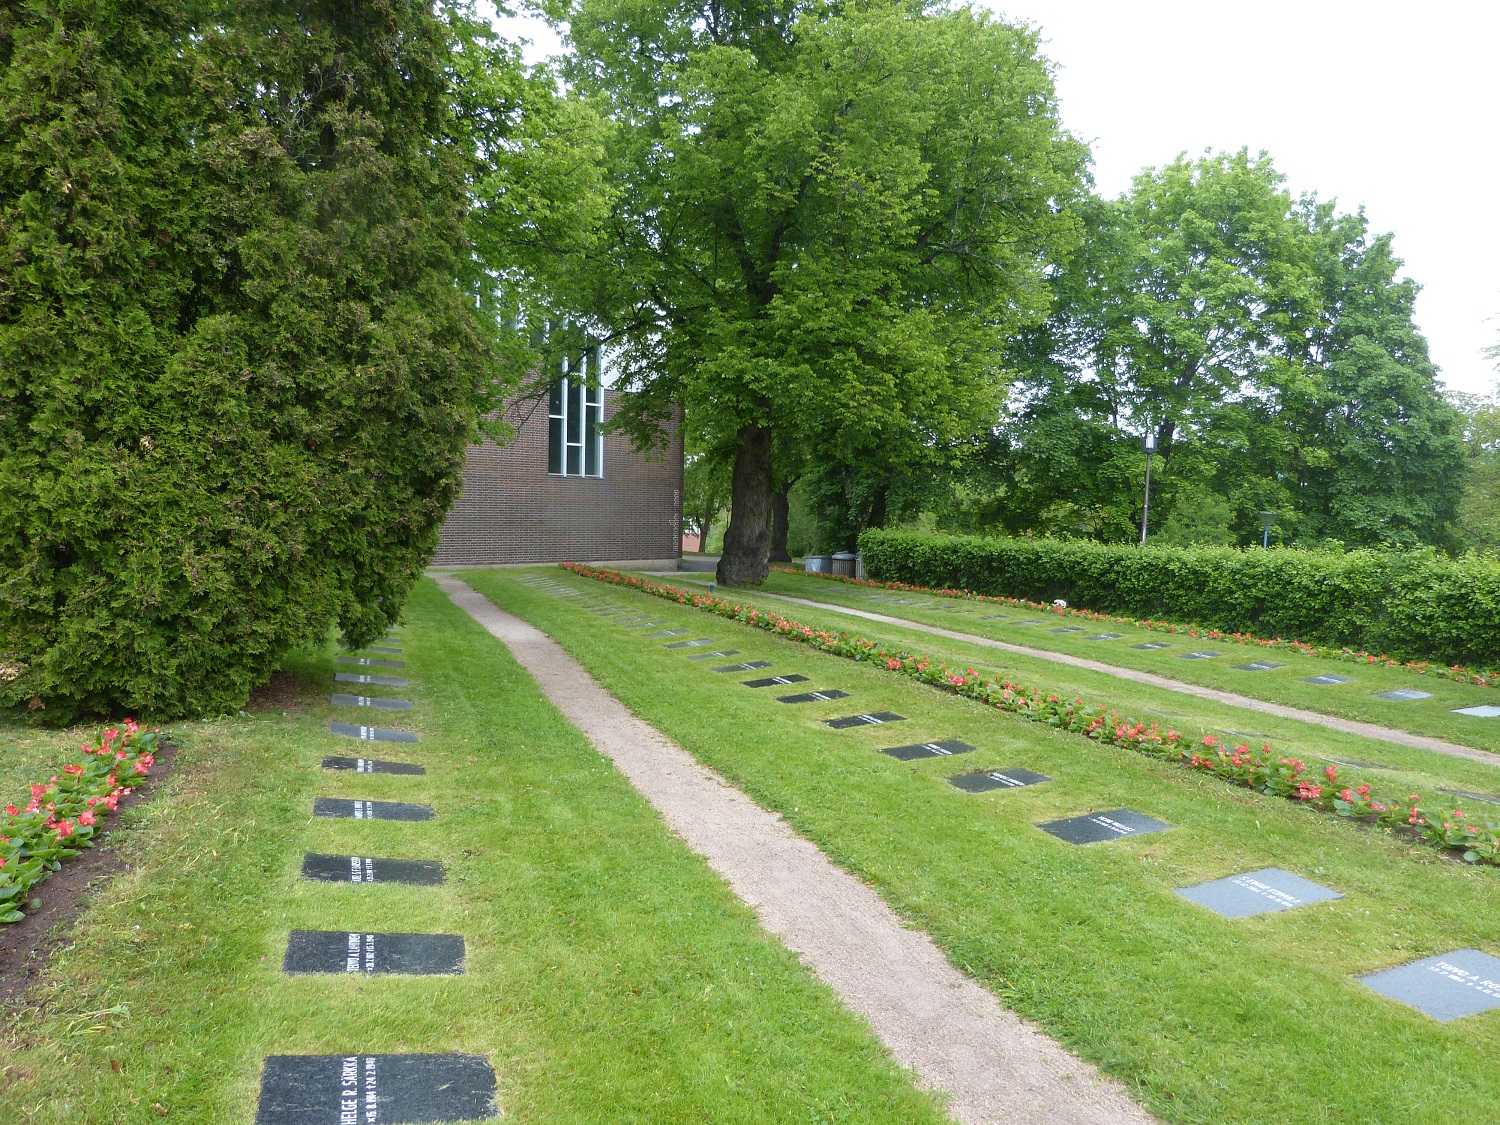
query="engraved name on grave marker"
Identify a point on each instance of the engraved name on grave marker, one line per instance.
(1257, 892)
(368, 869)
(1013, 777)
(691, 644)
(871, 720)
(1403, 695)
(1256, 666)
(375, 1089)
(370, 810)
(942, 749)
(371, 765)
(772, 681)
(712, 655)
(748, 666)
(371, 734)
(813, 696)
(338, 699)
(1327, 680)
(1446, 987)
(382, 681)
(1149, 646)
(370, 662)
(320, 951)
(1113, 825)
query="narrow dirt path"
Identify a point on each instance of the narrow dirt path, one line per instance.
(1348, 726)
(993, 1066)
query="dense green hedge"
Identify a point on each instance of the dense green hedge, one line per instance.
(1415, 605)
(237, 371)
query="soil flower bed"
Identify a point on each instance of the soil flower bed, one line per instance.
(64, 814)
(1454, 832)
(1456, 672)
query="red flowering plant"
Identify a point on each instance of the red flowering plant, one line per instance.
(1456, 672)
(1261, 770)
(64, 814)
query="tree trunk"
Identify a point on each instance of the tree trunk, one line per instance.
(747, 543)
(779, 508)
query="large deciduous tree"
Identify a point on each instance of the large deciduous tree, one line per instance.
(240, 358)
(827, 218)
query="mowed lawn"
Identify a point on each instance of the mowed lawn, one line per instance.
(610, 976)
(1209, 1019)
(1357, 699)
(1388, 766)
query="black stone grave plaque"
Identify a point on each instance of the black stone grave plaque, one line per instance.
(368, 869)
(1256, 666)
(382, 681)
(773, 681)
(1069, 629)
(370, 810)
(375, 1089)
(666, 633)
(1403, 695)
(984, 781)
(647, 625)
(813, 696)
(1327, 680)
(338, 699)
(1488, 798)
(1354, 765)
(638, 619)
(870, 720)
(321, 951)
(993, 617)
(712, 655)
(1150, 645)
(944, 749)
(370, 765)
(1483, 711)
(1018, 624)
(1198, 656)
(371, 734)
(692, 644)
(1446, 987)
(1257, 892)
(748, 666)
(370, 662)
(383, 648)
(1105, 637)
(1113, 825)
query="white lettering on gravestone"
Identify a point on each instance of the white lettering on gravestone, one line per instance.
(369, 872)
(371, 1105)
(349, 1092)
(1250, 883)
(935, 748)
(363, 765)
(369, 953)
(351, 955)
(1463, 976)
(1004, 779)
(366, 732)
(1113, 825)
(355, 875)
(363, 811)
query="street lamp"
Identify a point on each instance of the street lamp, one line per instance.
(1266, 520)
(1148, 443)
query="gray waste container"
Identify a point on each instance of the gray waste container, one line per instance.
(818, 564)
(843, 564)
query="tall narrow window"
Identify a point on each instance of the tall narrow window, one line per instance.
(575, 443)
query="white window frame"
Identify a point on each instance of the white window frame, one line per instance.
(567, 398)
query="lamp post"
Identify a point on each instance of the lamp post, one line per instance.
(1266, 520)
(1148, 443)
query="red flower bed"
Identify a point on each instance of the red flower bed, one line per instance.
(1456, 672)
(63, 815)
(1261, 770)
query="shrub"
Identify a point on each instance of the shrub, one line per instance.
(237, 374)
(1410, 604)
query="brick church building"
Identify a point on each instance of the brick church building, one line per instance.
(562, 490)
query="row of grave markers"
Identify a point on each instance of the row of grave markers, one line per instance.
(1459, 983)
(1399, 695)
(373, 1089)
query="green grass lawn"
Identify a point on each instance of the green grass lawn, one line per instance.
(611, 977)
(1354, 700)
(1209, 1019)
(28, 755)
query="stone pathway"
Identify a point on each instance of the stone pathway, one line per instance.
(993, 1067)
(1348, 726)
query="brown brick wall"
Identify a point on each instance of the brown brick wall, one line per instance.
(513, 511)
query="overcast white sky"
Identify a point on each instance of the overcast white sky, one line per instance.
(1393, 106)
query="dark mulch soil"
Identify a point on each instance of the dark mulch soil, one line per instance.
(26, 945)
(284, 691)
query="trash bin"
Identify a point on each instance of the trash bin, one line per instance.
(843, 564)
(859, 566)
(818, 564)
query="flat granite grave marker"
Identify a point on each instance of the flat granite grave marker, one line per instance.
(1013, 778)
(370, 662)
(371, 734)
(370, 765)
(338, 699)
(1069, 629)
(647, 625)
(382, 681)
(666, 633)
(814, 696)
(369, 810)
(1354, 765)
(1484, 711)
(872, 720)
(1018, 624)
(772, 681)
(1105, 637)
(1256, 892)
(382, 648)
(748, 666)
(1446, 987)
(1256, 666)
(1198, 656)
(375, 1089)
(321, 951)
(1488, 798)
(711, 655)
(993, 617)
(1153, 645)
(944, 749)
(368, 869)
(692, 644)
(1327, 680)
(1403, 695)
(1113, 825)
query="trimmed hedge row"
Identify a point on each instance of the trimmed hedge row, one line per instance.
(1413, 605)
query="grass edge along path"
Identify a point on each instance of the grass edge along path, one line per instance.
(952, 1031)
(1454, 831)
(1455, 672)
(609, 974)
